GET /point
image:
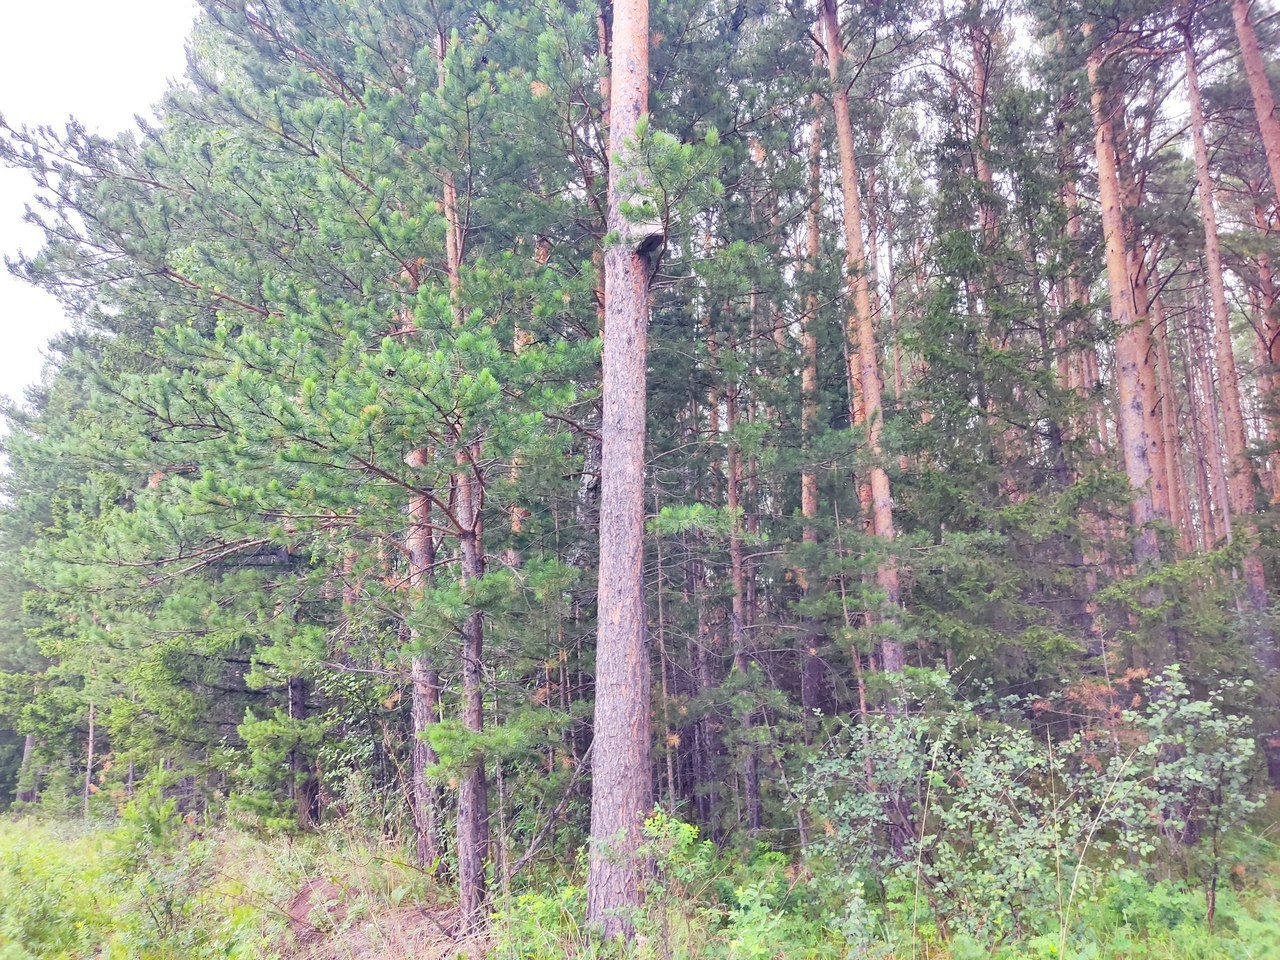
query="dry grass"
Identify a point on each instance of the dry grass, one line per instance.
(321, 927)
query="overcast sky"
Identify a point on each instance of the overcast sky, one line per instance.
(101, 61)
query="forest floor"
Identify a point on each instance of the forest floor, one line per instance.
(132, 889)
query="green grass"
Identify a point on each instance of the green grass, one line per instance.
(67, 891)
(154, 888)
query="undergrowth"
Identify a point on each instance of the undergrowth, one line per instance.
(761, 905)
(155, 888)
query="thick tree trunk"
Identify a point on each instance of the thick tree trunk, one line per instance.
(1133, 337)
(1137, 409)
(1263, 102)
(864, 361)
(620, 790)
(1240, 477)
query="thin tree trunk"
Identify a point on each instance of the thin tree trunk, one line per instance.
(466, 495)
(1214, 458)
(1240, 478)
(27, 790)
(621, 782)
(1269, 328)
(670, 739)
(424, 684)
(300, 780)
(739, 610)
(1199, 447)
(982, 48)
(473, 796)
(1170, 434)
(861, 332)
(810, 664)
(88, 766)
(1078, 299)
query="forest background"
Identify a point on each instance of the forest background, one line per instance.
(952, 614)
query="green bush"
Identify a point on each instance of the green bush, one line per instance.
(966, 824)
(141, 891)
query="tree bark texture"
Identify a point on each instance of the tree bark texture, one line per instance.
(1264, 104)
(424, 683)
(861, 333)
(620, 792)
(1133, 333)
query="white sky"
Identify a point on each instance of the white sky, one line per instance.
(101, 61)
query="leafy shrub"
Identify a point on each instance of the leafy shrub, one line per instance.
(968, 824)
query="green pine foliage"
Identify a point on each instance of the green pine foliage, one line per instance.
(213, 606)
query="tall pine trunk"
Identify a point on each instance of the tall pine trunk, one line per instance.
(473, 795)
(1171, 435)
(1260, 87)
(864, 360)
(740, 610)
(1269, 328)
(466, 497)
(810, 663)
(1240, 467)
(620, 789)
(1133, 337)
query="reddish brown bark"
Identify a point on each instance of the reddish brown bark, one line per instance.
(864, 362)
(1259, 86)
(1240, 477)
(1269, 353)
(1133, 336)
(620, 794)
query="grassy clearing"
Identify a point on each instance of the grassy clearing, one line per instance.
(156, 892)
(158, 889)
